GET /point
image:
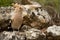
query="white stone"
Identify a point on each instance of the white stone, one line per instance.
(55, 30)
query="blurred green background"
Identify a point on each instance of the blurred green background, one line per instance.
(53, 3)
(5, 2)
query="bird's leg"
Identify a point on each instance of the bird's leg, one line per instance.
(15, 30)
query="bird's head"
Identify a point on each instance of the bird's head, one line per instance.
(17, 6)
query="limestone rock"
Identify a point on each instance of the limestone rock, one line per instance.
(34, 34)
(55, 30)
(12, 35)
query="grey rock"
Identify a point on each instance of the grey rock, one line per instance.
(31, 34)
(55, 30)
(34, 34)
(5, 16)
(12, 35)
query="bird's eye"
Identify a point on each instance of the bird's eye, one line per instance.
(14, 7)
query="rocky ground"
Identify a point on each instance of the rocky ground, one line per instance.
(32, 29)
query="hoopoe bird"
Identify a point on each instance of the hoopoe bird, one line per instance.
(16, 17)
